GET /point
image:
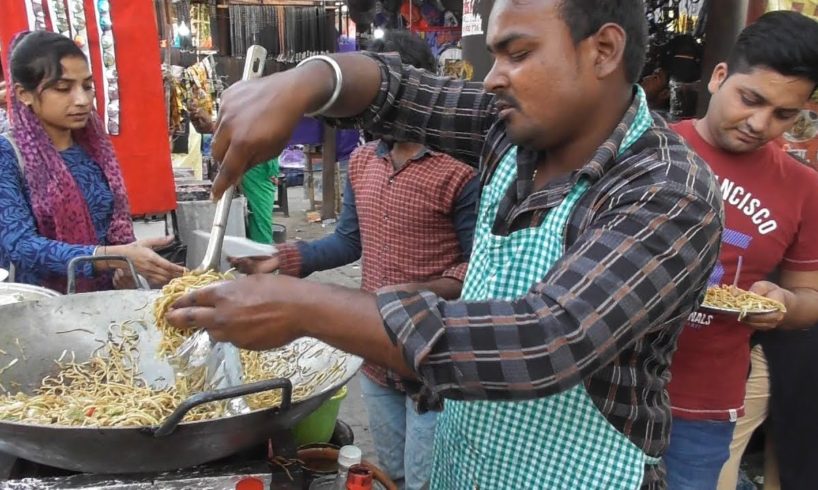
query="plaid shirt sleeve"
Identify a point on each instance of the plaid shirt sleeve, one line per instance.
(446, 114)
(637, 267)
(289, 259)
(457, 272)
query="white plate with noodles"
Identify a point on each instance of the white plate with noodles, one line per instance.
(728, 299)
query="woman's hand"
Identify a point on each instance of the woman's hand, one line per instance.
(148, 263)
(123, 280)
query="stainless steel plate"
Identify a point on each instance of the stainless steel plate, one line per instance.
(736, 311)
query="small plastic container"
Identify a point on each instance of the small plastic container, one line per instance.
(250, 483)
(359, 478)
(318, 426)
(348, 457)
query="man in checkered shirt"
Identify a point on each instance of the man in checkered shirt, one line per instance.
(598, 228)
(408, 214)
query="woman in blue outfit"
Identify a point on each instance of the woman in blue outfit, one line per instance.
(61, 190)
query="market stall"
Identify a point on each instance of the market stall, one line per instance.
(205, 45)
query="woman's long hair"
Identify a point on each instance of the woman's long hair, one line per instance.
(58, 205)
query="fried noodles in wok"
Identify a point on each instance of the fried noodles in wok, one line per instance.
(109, 391)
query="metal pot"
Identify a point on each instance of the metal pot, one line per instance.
(44, 328)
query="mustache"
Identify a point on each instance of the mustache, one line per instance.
(505, 102)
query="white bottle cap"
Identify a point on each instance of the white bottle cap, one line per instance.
(349, 455)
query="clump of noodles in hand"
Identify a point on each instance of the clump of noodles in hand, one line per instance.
(744, 302)
(172, 337)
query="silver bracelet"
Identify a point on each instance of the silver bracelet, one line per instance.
(339, 82)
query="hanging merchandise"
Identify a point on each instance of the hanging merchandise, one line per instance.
(36, 15)
(673, 63)
(78, 28)
(59, 17)
(193, 88)
(110, 79)
(289, 34)
(182, 30)
(177, 106)
(197, 81)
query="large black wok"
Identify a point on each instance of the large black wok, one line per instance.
(43, 329)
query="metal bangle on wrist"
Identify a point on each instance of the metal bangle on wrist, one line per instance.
(339, 82)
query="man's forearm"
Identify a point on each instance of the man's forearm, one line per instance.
(445, 287)
(349, 319)
(361, 84)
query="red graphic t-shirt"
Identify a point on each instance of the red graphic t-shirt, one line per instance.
(771, 218)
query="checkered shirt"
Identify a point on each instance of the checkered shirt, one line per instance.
(640, 245)
(405, 221)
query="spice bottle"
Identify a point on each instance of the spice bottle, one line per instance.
(348, 456)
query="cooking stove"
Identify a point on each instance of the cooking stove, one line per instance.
(273, 463)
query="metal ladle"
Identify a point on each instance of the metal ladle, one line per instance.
(253, 68)
(199, 352)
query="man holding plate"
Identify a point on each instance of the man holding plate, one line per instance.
(757, 95)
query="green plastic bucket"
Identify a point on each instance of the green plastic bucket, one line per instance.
(318, 426)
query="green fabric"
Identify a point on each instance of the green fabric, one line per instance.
(557, 442)
(260, 192)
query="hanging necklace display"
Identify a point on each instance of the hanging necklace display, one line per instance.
(59, 17)
(36, 15)
(79, 31)
(110, 79)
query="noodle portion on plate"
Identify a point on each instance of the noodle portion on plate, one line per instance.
(730, 299)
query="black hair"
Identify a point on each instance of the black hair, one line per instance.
(585, 17)
(36, 58)
(412, 49)
(783, 41)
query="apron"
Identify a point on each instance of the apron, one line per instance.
(560, 442)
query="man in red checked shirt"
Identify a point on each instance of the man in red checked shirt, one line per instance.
(770, 223)
(409, 213)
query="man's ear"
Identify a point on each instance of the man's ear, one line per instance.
(609, 46)
(717, 78)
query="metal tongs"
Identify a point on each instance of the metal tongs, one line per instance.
(215, 365)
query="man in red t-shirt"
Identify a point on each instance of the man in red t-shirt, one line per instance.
(770, 203)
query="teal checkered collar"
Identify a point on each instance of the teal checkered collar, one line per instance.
(634, 123)
(636, 120)
(641, 122)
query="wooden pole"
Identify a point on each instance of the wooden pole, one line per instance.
(725, 20)
(329, 157)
